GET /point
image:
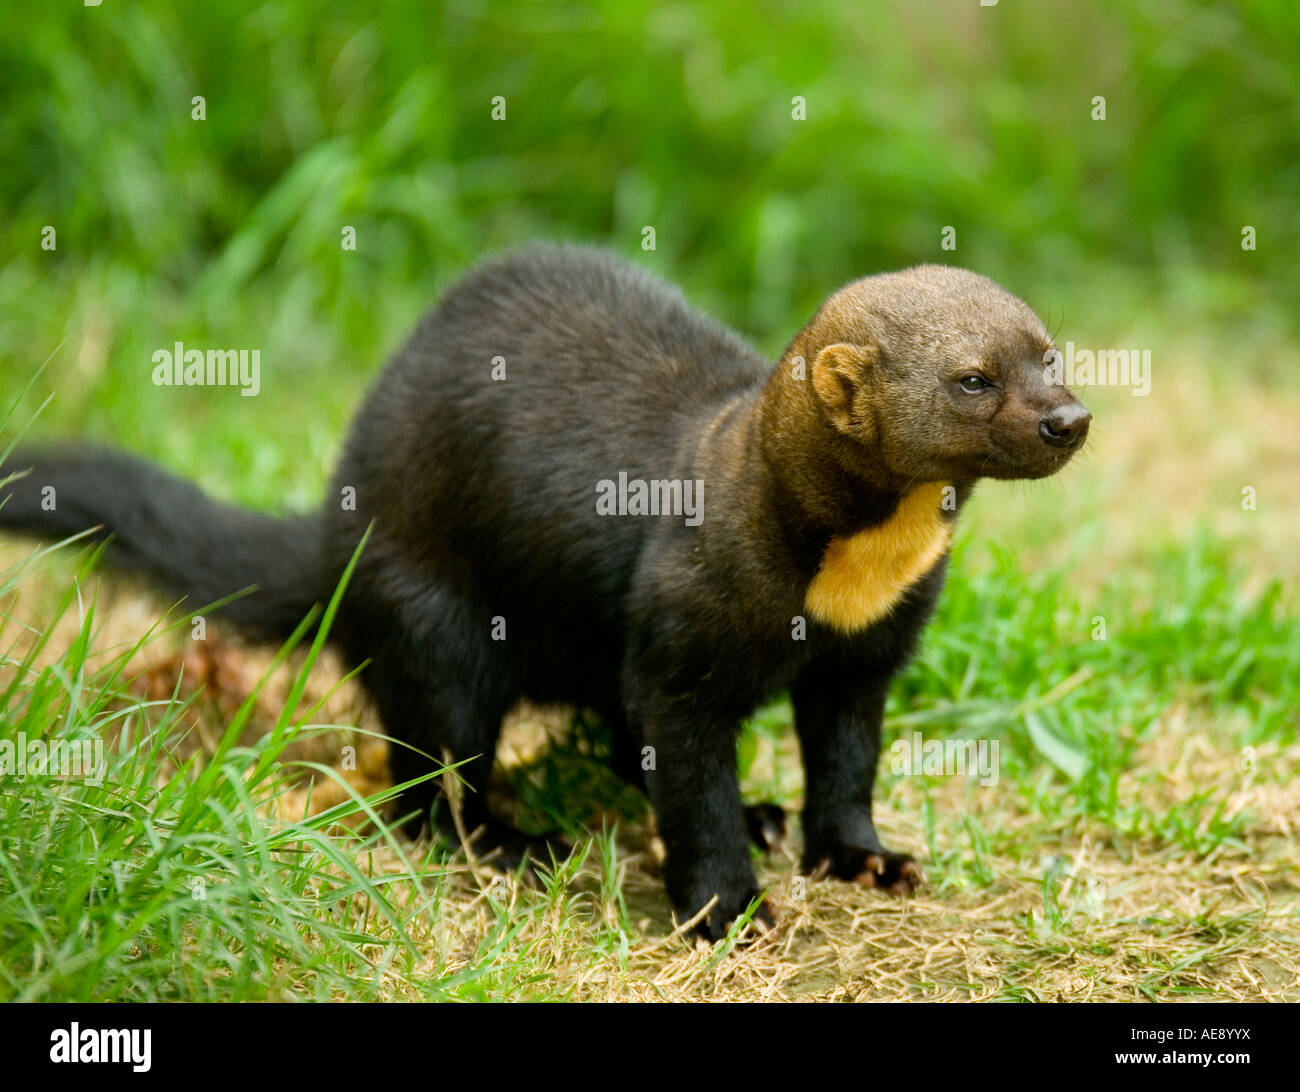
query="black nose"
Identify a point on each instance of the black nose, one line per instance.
(1065, 426)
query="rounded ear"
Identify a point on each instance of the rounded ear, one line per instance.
(839, 372)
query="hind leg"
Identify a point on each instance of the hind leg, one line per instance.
(434, 725)
(442, 688)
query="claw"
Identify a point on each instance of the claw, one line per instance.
(896, 873)
(766, 824)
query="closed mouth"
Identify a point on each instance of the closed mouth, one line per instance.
(1001, 463)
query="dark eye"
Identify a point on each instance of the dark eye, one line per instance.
(973, 384)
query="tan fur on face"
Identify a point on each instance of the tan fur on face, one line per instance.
(838, 374)
(885, 356)
(862, 576)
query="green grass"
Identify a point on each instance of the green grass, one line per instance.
(165, 879)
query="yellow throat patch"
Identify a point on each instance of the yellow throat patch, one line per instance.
(862, 576)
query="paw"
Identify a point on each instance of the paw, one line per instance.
(517, 848)
(727, 896)
(502, 847)
(717, 923)
(896, 873)
(766, 826)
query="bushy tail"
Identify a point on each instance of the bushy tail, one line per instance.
(172, 533)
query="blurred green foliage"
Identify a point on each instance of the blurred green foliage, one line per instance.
(619, 114)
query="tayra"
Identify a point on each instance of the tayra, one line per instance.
(584, 492)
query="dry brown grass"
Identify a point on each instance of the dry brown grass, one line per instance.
(1135, 921)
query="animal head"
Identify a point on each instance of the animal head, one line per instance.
(944, 375)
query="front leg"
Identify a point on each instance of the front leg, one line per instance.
(838, 714)
(765, 823)
(690, 765)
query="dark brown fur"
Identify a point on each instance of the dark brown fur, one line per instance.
(483, 498)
